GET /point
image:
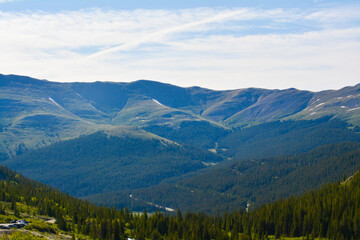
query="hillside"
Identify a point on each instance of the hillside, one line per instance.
(101, 162)
(330, 212)
(269, 139)
(240, 182)
(127, 158)
(51, 214)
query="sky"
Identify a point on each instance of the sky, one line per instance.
(229, 44)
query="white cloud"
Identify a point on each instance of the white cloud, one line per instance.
(215, 48)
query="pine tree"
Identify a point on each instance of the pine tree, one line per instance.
(2, 209)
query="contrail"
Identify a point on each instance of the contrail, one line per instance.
(152, 36)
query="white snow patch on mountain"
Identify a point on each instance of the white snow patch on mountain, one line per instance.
(53, 101)
(92, 106)
(353, 109)
(157, 102)
(319, 105)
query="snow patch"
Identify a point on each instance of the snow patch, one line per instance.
(213, 150)
(157, 102)
(319, 105)
(58, 105)
(208, 164)
(312, 113)
(339, 98)
(92, 106)
(343, 107)
(53, 101)
(350, 96)
(353, 109)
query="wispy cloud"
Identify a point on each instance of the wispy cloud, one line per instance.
(212, 47)
(157, 35)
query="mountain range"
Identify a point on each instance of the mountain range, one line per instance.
(107, 141)
(38, 112)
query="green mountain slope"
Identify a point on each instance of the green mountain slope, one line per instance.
(101, 162)
(341, 104)
(51, 213)
(264, 140)
(226, 188)
(274, 106)
(331, 212)
(36, 113)
(284, 138)
(127, 158)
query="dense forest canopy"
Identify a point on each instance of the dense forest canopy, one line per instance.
(234, 184)
(331, 212)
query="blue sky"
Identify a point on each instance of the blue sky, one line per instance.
(215, 44)
(54, 5)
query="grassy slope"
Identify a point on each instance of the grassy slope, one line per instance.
(36, 113)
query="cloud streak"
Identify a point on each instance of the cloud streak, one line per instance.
(152, 37)
(210, 47)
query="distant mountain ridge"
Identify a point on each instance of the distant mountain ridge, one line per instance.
(36, 112)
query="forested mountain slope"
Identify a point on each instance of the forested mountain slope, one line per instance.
(233, 186)
(100, 162)
(331, 212)
(128, 158)
(276, 138)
